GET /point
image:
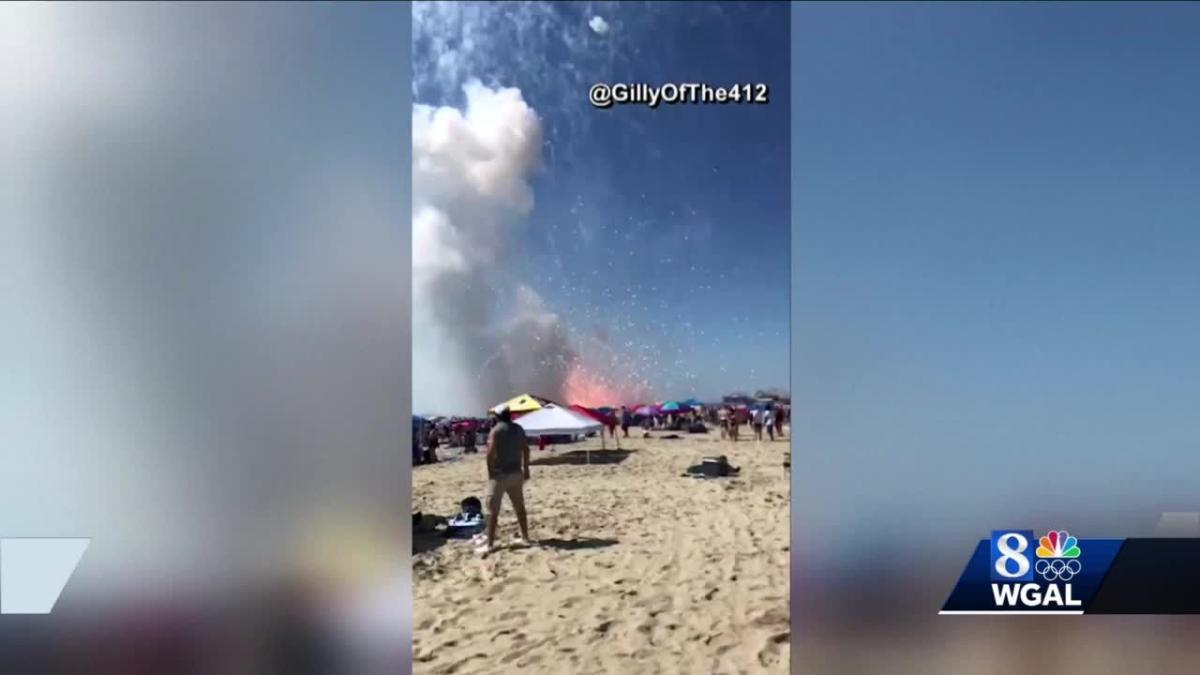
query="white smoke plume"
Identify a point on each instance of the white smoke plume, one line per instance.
(478, 336)
(480, 332)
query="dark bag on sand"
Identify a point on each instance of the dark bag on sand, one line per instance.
(713, 467)
(469, 521)
(471, 506)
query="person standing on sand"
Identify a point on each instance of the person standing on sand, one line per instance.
(508, 469)
(469, 438)
(769, 422)
(757, 423)
(626, 420)
(418, 451)
(610, 421)
(431, 447)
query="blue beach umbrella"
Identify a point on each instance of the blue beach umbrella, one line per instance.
(674, 407)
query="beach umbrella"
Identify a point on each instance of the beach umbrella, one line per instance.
(521, 404)
(590, 413)
(674, 407)
(645, 410)
(555, 421)
(693, 403)
(596, 415)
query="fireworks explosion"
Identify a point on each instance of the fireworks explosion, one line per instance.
(479, 336)
(591, 389)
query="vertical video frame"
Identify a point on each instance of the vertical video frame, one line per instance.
(601, 260)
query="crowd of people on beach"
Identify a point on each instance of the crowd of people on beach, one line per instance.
(457, 432)
(507, 449)
(766, 421)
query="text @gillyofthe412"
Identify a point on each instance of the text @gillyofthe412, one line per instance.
(604, 95)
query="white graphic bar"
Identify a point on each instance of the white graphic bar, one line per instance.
(1021, 612)
(33, 572)
(1178, 524)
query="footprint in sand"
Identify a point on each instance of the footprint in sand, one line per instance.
(771, 617)
(529, 661)
(770, 653)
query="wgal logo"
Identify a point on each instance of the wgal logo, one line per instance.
(1057, 556)
(1009, 562)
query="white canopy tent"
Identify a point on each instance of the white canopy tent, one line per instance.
(555, 421)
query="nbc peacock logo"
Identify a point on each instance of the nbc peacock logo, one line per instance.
(1058, 556)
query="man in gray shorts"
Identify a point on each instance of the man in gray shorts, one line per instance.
(508, 469)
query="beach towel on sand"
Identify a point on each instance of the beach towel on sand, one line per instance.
(713, 467)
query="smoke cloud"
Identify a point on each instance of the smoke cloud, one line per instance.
(481, 332)
(478, 335)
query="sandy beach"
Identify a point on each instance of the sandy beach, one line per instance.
(635, 567)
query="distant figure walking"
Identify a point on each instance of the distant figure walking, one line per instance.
(508, 469)
(431, 447)
(757, 423)
(769, 422)
(610, 421)
(626, 421)
(418, 451)
(469, 440)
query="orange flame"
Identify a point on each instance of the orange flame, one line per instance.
(587, 388)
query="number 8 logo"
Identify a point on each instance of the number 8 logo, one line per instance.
(1009, 552)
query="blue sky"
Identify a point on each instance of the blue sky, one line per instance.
(662, 232)
(996, 264)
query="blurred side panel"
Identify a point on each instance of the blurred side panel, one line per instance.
(204, 322)
(995, 282)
